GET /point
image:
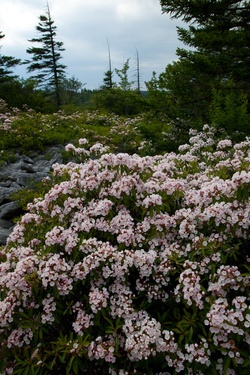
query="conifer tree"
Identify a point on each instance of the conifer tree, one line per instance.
(220, 32)
(46, 57)
(108, 75)
(216, 57)
(6, 65)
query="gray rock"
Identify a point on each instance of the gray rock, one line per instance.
(4, 234)
(42, 166)
(22, 173)
(10, 210)
(26, 167)
(5, 224)
(3, 177)
(27, 159)
(6, 183)
(5, 192)
(24, 179)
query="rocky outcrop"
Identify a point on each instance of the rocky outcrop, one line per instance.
(18, 175)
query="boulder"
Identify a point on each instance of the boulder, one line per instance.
(10, 210)
(4, 234)
(22, 173)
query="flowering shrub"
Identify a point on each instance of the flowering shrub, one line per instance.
(29, 130)
(133, 265)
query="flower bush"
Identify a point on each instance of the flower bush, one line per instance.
(133, 265)
(29, 130)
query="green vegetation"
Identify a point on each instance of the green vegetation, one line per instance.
(209, 83)
(7, 63)
(46, 58)
(132, 265)
(30, 130)
(133, 257)
(216, 61)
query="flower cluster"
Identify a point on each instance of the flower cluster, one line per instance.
(133, 265)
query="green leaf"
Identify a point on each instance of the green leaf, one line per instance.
(62, 358)
(118, 324)
(226, 365)
(69, 365)
(116, 344)
(177, 330)
(40, 333)
(190, 333)
(109, 330)
(246, 363)
(55, 292)
(52, 363)
(75, 366)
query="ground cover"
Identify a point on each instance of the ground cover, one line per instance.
(133, 265)
(28, 130)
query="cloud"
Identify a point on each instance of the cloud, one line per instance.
(85, 26)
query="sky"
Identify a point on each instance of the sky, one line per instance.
(86, 27)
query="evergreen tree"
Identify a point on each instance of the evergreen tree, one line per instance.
(6, 65)
(46, 58)
(108, 75)
(218, 37)
(220, 31)
(108, 80)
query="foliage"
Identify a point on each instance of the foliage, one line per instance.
(119, 98)
(181, 94)
(124, 82)
(70, 90)
(119, 101)
(22, 93)
(220, 31)
(46, 58)
(159, 134)
(108, 83)
(28, 130)
(218, 40)
(6, 65)
(229, 110)
(133, 265)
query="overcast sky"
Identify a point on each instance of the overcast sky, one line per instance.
(84, 26)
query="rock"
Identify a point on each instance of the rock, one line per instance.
(22, 173)
(4, 234)
(3, 177)
(26, 167)
(5, 224)
(42, 166)
(6, 192)
(10, 210)
(24, 179)
(27, 159)
(6, 183)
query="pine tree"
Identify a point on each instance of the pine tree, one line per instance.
(46, 58)
(108, 75)
(216, 53)
(220, 32)
(6, 65)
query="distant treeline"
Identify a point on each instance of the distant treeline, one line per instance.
(209, 83)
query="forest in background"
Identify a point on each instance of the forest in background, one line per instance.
(131, 257)
(209, 83)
